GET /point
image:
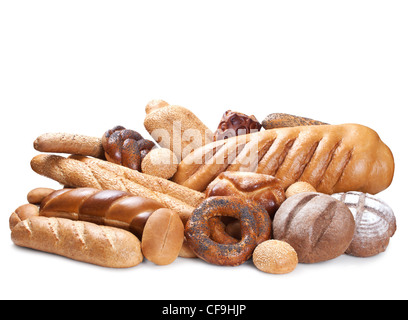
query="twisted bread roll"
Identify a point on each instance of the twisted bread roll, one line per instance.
(125, 147)
(78, 171)
(78, 240)
(265, 190)
(105, 207)
(332, 158)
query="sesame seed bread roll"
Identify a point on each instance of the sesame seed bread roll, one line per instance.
(176, 128)
(78, 171)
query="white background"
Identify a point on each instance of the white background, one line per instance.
(86, 66)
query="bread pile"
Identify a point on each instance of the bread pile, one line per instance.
(279, 192)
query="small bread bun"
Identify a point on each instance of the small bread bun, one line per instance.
(160, 162)
(154, 105)
(299, 187)
(163, 237)
(274, 256)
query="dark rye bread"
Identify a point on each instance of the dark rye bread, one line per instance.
(316, 225)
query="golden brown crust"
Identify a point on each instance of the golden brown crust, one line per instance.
(77, 171)
(78, 240)
(265, 190)
(163, 237)
(23, 212)
(274, 256)
(178, 129)
(299, 187)
(161, 163)
(70, 143)
(36, 195)
(332, 158)
(105, 207)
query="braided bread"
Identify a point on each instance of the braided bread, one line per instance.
(125, 147)
(105, 207)
(332, 158)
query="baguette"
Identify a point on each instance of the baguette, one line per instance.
(281, 120)
(332, 158)
(78, 171)
(70, 143)
(78, 240)
(23, 212)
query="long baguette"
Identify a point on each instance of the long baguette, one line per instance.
(332, 158)
(77, 171)
(78, 240)
(70, 143)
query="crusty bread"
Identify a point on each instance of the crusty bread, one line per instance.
(70, 143)
(332, 158)
(23, 212)
(78, 171)
(316, 225)
(78, 240)
(163, 237)
(177, 128)
(105, 207)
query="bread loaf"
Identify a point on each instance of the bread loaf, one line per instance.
(332, 158)
(316, 225)
(281, 120)
(105, 207)
(176, 128)
(77, 171)
(78, 240)
(375, 223)
(70, 143)
(23, 212)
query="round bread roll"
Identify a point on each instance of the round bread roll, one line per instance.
(316, 225)
(375, 223)
(299, 187)
(160, 162)
(274, 256)
(163, 237)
